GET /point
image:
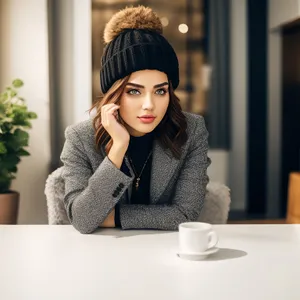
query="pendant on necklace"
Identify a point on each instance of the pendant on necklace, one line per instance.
(137, 183)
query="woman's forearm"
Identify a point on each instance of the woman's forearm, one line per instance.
(116, 154)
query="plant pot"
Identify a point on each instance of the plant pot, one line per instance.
(9, 207)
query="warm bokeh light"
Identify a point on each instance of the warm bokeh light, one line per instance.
(164, 21)
(183, 28)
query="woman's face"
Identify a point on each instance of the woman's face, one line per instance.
(146, 94)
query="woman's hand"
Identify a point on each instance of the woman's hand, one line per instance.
(110, 220)
(116, 130)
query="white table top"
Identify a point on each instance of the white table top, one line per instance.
(41, 262)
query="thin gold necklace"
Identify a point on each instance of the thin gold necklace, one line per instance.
(138, 177)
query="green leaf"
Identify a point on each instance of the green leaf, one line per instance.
(17, 83)
(6, 127)
(23, 152)
(16, 140)
(22, 137)
(32, 115)
(3, 149)
(14, 169)
(13, 93)
(12, 142)
(8, 120)
(5, 180)
(10, 161)
(5, 183)
(20, 116)
(4, 96)
(2, 109)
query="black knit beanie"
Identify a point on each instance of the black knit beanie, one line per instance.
(135, 42)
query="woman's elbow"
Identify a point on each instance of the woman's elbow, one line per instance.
(83, 228)
(81, 224)
(80, 221)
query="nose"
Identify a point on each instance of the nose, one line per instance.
(148, 103)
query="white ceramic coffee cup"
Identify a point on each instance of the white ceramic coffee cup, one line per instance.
(196, 237)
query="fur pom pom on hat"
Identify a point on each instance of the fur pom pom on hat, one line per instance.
(135, 42)
(140, 17)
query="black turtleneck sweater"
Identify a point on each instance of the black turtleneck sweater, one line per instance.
(138, 151)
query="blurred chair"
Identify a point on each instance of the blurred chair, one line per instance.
(293, 209)
(54, 191)
(215, 209)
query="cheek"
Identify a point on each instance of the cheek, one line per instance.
(165, 105)
(168, 102)
(126, 108)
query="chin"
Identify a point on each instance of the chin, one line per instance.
(144, 129)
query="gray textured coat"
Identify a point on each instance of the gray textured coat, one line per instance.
(94, 185)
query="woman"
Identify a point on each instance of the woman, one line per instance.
(141, 162)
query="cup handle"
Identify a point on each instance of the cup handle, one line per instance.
(213, 239)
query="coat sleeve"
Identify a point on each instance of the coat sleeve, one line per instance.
(188, 196)
(89, 198)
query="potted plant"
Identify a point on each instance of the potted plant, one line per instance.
(14, 123)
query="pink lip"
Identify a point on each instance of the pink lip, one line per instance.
(147, 116)
(147, 120)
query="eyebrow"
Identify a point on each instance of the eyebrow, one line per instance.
(142, 87)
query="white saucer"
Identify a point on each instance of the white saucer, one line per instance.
(197, 256)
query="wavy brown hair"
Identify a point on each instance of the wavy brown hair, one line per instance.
(171, 131)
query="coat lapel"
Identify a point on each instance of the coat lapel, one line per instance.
(163, 168)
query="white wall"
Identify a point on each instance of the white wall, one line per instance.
(218, 170)
(82, 62)
(24, 54)
(282, 12)
(71, 59)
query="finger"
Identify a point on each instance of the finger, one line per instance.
(104, 109)
(113, 112)
(108, 106)
(109, 114)
(113, 106)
